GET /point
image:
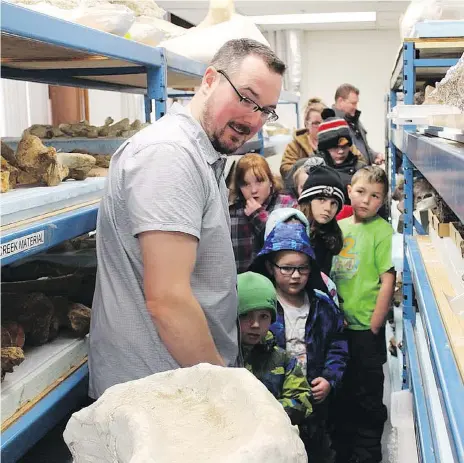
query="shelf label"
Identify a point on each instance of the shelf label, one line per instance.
(22, 244)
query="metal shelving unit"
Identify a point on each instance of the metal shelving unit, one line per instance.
(441, 162)
(40, 48)
(418, 61)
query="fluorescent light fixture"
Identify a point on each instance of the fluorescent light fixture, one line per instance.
(316, 18)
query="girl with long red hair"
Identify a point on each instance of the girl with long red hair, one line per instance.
(256, 193)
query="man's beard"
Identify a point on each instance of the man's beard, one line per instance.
(215, 137)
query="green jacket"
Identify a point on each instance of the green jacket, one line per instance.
(282, 375)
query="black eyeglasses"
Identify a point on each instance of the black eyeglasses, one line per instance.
(267, 114)
(288, 270)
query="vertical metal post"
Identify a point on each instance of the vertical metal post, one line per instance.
(392, 146)
(408, 291)
(261, 139)
(148, 107)
(409, 77)
(409, 86)
(409, 312)
(297, 109)
(156, 90)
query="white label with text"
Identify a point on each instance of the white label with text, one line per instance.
(22, 244)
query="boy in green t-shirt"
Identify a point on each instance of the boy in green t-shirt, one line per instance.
(365, 279)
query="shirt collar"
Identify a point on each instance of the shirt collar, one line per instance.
(211, 155)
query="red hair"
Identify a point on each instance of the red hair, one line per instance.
(260, 168)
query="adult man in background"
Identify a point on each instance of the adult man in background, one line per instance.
(346, 106)
(166, 284)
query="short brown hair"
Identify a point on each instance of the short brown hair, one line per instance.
(314, 104)
(230, 56)
(344, 91)
(372, 174)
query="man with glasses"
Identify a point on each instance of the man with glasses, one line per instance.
(346, 107)
(165, 295)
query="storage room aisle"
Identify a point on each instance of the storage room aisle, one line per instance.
(77, 85)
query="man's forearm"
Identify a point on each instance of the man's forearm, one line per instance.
(183, 328)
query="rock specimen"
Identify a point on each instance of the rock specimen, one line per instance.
(13, 338)
(5, 181)
(12, 178)
(98, 172)
(202, 414)
(13, 335)
(40, 161)
(32, 311)
(81, 129)
(11, 357)
(9, 155)
(78, 164)
(44, 131)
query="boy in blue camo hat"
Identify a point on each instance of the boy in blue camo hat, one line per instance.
(274, 367)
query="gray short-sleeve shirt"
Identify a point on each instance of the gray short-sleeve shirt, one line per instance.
(167, 177)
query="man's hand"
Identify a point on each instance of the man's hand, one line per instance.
(251, 206)
(320, 388)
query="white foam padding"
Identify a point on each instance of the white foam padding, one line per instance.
(201, 44)
(202, 414)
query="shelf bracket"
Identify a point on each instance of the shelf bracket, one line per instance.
(156, 90)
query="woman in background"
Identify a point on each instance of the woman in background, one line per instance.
(304, 144)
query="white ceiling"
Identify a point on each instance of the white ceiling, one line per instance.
(388, 11)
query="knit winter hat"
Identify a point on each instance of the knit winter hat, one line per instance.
(284, 214)
(325, 182)
(333, 132)
(256, 292)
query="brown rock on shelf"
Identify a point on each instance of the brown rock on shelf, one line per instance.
(9, 154)
(25, 178)
(102, 160)
(72, 315)
(12, 335)
(118, 128)
(98, 172)
(79, 318)
(11, 357)
(81, 129)
(32, 311)
(78, 164)
(13, 177)
(40, 161)
(5, 181)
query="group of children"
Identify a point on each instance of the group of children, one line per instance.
(314, 293)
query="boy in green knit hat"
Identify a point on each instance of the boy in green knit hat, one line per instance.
(274, 367)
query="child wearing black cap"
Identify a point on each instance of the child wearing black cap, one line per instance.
(321, 199)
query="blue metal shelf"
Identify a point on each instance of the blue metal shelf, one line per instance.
(27, 430)
(17, 243)
(421, 406)
(446, 370)
(116, 55)
(441, 162)
(78, 56)
(419, 54)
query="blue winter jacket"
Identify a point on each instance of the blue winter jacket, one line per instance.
(326, 345)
